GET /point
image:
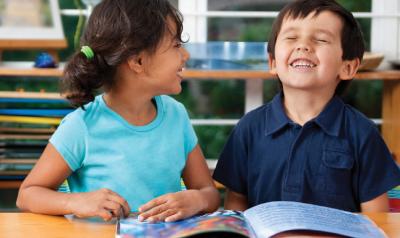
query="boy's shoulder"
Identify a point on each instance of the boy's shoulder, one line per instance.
(270, 114)
(257, 113)
(255, 118)
(357, 120)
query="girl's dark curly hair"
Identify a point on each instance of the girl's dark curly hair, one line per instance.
(116, 30)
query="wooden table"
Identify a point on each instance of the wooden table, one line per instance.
(21, 225)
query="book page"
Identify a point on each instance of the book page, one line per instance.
(218, 222)
(272, 218)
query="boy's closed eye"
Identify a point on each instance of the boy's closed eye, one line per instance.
(321, 40)
(290, 38)
(289, 35)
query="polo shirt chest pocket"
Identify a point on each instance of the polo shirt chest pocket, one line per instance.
(335, 172)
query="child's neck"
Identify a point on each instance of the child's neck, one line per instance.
(135, 109)
(303, 106)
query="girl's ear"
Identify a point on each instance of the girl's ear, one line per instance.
(349, 69)
(135, 63)
(272, 64)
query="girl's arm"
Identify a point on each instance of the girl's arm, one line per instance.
(196, 175)
(378, 204)
(235, 201)
(201, 196)
(38, 193)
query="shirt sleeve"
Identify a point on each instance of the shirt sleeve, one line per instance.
(69, 140)
(378, 171)
(231, 169)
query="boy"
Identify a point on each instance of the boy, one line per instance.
(306, 145)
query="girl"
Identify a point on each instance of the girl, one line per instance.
(129, 145)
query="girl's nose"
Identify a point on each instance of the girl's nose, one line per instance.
(185, 54)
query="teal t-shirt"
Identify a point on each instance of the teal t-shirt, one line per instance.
(138, 162)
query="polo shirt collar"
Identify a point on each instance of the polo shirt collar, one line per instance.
(330, 119)
(276, 117)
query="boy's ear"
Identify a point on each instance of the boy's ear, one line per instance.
(271, 64)
(135, 63)
(349, 69)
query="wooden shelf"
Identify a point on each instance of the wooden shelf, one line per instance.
(18, 161)
(227, 74)
(30, 44)
(33, 44)
(30, 95)
(380, 74)
(10, 184)
(14, 172)
(51, 46)
(27, 69)
(260, 74)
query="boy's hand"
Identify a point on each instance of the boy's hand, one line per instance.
(103, 203)
(172, 207)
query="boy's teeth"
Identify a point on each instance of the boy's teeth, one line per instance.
(302, 63)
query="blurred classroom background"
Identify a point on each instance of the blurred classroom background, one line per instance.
(215, 105)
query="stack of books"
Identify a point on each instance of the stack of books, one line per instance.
(394, 199)
(27, 121)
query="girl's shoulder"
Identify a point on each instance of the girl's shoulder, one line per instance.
(169, 103)
(82, 114)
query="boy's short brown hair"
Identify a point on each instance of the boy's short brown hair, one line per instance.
(352, 40)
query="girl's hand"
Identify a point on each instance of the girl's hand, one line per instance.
(103, 203)
(172, 207)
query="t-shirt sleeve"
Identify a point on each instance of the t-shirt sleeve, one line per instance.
(69, 140)
(231, 169)
(190, 137)
(379, 172)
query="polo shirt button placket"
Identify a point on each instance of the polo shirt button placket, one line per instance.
(292, 185)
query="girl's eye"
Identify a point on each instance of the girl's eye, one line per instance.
(290, 38)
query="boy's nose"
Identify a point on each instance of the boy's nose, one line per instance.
(302, 48)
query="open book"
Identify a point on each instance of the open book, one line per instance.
(264, 220)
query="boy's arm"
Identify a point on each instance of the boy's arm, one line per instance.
(235, 201)
(38, 193)
(378, 204)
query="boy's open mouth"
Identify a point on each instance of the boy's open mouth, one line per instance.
(302, 63)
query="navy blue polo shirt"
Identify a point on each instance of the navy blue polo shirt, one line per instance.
(337, 159)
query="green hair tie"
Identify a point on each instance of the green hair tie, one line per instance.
(87, 51)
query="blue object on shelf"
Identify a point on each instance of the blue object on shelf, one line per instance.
(35, 112)
(44, 60)
(227, 55)
(33, 100)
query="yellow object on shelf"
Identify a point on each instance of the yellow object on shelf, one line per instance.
(31, 120)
